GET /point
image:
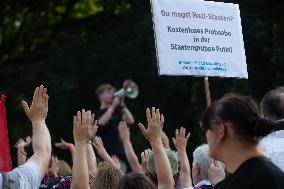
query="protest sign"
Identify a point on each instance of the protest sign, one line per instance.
(199, 38)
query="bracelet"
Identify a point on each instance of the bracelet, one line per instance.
(70, 147)
(110, 110)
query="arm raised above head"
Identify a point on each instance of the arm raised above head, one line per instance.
(41, 141)
(83, 131)
(132, 159)
(153, 135)
(180, 142)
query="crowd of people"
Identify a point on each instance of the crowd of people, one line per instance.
(245, 148)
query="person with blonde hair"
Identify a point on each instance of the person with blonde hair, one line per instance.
(106, 177)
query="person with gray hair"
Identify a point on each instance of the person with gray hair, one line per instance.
(200, 166)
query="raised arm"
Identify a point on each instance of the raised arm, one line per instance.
(91, 157)
(180, 143)
(164, 137)
(83, 131)
(91, 160)
(99, 146)
(132, 159)
(144, 159)
(37, 113)
(66, 146)
(153, 135)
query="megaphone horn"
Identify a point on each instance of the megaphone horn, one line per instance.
(129, 89)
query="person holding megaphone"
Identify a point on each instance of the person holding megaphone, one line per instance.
(112, 111)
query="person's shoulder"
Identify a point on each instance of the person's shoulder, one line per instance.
(267, 174)
(269, 167)
(257, 172)
(262, 165)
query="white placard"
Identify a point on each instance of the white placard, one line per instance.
(199, 38)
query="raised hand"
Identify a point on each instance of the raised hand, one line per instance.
(144, 159)
(63, 144)
(180, 141)
(21, 143)
(28, 140)
(153, 132)
(37, 112)
(99, 146)
(153, 135)
(84, 128)
(124, 132)
(216, 173)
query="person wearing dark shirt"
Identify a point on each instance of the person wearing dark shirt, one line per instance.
(233, 129)
(111, 112)
(257, 172)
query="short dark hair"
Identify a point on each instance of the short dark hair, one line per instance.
(134, 181)
(272, 104)
(243, 114)
(104, 87)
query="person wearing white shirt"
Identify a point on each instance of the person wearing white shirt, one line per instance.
(272, 107)
(30, 174)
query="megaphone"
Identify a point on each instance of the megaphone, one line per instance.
(129, 89)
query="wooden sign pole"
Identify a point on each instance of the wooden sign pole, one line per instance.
(207, 91)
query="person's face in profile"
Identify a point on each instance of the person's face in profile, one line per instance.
(210, 140)
(214, 136)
